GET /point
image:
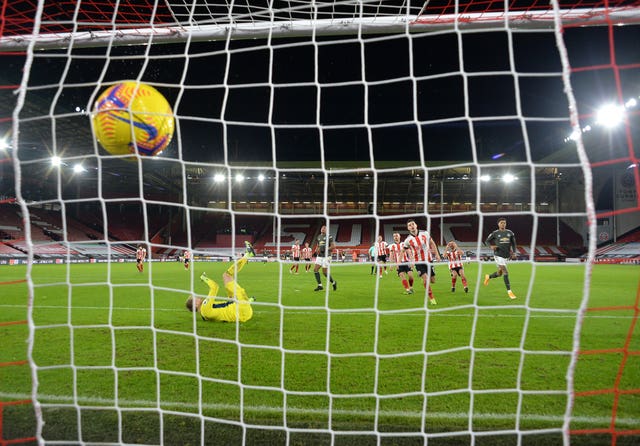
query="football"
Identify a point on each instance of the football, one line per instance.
(132, 117)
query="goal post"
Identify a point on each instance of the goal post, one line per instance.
(293, 117)
(130, 22)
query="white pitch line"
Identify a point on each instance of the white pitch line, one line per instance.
(54, 400)
(535, 313)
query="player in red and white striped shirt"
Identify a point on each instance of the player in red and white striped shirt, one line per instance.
(401, 258)
(454, 255)
(421, 245)
(295, 254)
(186, 256)
(307, 253)
(141, 255)
(382, 249)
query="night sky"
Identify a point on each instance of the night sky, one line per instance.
(380, 72)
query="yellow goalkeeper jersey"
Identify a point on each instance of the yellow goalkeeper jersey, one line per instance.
(228, 310)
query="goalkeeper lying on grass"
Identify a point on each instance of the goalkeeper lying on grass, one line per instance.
(237, 307)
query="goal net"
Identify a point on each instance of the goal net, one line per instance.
(296, 116)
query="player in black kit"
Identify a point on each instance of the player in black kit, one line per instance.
(503, 242)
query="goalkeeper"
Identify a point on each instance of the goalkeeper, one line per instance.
(237, 307)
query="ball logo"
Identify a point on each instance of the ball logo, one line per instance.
(131, 117)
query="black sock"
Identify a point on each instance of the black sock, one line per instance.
(318, 278)
(506, 281)
(493, 275)
(330, 278)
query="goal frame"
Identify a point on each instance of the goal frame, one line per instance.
(407, 24)
(238, 30)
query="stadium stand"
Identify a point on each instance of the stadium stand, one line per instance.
(626, 252)
(10, 222)
(9, 251)
(51, 239)
(51, 220)
(632, 236)
(210, 233)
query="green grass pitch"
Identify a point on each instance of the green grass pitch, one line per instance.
(120, 360)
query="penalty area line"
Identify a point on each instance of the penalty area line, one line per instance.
(125, 404)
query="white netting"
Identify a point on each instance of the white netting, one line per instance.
(90, 23)
(357, 115)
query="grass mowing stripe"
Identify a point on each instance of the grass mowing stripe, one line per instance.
(127, 404)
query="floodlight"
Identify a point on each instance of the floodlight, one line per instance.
(218, 178)
(261, 177)
(77, 168)
(239, 178)
(4, 145)
(610, 115)
(508, 178)
(485, 177)
(56, 161)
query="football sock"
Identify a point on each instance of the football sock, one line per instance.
(453, 282)
(506, 281)
(237, 266)
(493, 275)
(317, 273)
(330, 278)
(405, 284)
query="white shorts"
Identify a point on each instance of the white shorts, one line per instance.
(323, 261)
(500, 261)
